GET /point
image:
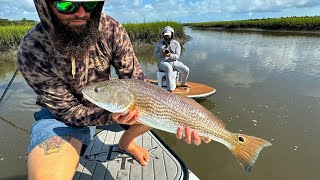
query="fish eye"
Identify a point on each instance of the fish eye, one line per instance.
(241, 139)
(96, 89)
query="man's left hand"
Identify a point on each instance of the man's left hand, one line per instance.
(128, 118)
(190, 136)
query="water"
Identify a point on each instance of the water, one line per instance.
(267, 86)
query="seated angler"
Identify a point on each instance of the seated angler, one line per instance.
(168, 53)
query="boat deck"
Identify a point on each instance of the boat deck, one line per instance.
(103, 159)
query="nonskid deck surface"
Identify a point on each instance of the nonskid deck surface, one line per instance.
(104, 160)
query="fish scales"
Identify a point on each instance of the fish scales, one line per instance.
(169, 111)
(166, 111)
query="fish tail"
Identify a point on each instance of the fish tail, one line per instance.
(247, 149)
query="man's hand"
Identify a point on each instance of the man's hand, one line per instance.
(166, 54)
(128, 118)
(191, 136)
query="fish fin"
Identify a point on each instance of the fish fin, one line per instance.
(205, 139)
(247, 150)
(203, 109)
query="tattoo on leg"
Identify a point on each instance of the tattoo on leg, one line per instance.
(54, 144)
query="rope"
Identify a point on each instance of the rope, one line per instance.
(5, 92)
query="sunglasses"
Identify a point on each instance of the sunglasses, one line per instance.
(67, 7)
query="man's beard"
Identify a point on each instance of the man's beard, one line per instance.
(74, 41)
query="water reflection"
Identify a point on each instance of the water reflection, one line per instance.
(145, 55)
(262, 32)
(207, 103)
(7, 63)
(256, 55)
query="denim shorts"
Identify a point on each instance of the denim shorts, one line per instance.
(47, 126)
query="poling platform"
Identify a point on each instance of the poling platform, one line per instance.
(196, 91)
(103, 159)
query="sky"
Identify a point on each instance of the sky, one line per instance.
(183, 11)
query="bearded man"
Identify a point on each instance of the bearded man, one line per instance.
(73, 45)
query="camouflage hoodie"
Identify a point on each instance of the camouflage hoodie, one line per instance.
(57, 80)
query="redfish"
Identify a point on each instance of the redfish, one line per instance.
(163, 110)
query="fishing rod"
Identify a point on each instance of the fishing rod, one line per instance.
(5, 91)
(2, 97)
(14, 125)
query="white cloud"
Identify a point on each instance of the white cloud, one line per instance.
(148, 7)
(11, 9)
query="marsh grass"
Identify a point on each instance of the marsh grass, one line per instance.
(139, 33)
(288, 23)
(150, 32)
(10, 36)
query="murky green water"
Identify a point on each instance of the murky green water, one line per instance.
(267, 86)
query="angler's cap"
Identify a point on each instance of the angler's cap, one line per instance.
(168, 31)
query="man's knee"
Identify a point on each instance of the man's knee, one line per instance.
(184, 70)
(44, 129)
(57, 143)
(164, 66)
(56, 157)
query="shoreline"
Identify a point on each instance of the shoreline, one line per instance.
(282, 31)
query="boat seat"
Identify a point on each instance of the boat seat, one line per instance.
(162, 79)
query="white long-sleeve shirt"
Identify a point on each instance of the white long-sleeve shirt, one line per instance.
(173, 47)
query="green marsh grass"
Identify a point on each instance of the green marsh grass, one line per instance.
(139, 33)
(288, 23)
(150, 32)
(10, 36)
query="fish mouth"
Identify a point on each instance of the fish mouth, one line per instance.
(111, 109)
